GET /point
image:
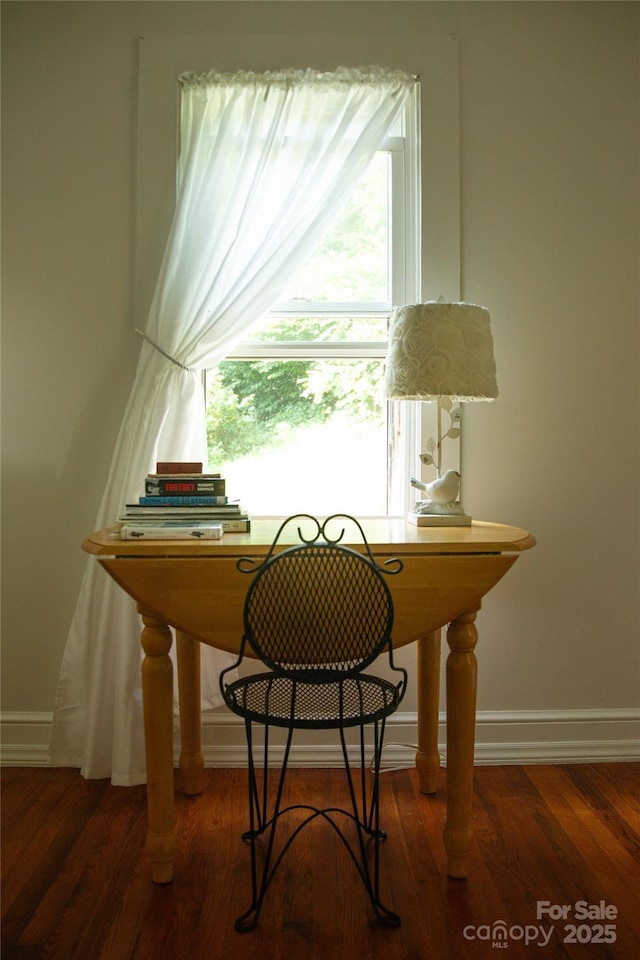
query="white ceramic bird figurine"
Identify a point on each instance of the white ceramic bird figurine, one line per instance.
(443, 490)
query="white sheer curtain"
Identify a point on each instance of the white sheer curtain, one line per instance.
(265, 161)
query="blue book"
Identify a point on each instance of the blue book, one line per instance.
(185, 501)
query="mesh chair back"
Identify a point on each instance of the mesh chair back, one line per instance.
(321, 608)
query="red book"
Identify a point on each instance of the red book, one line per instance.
(178, 466)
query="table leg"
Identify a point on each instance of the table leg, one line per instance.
(462, 670)
(428, 688)
(191, 756)
(157, 696)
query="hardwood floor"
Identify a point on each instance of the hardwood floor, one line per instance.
(76, 882)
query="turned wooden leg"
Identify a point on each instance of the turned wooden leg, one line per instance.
(462, 671)
(157, 696)
(428, 756)
(191, 756)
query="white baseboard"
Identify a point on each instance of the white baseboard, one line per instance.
(24, 738)
(502, 737)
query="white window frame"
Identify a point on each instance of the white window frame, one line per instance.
(433, 59)
(404, 287)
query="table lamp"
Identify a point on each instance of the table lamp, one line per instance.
(443, 352)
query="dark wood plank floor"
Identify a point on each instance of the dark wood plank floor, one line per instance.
(76, 883)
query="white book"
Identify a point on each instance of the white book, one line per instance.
(439, 520)
(171, 530)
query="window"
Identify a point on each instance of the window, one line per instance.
(296, 417)
(435, 59)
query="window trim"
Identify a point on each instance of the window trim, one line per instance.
(307, 350)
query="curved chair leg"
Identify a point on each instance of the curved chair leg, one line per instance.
(365, 816)
(367, 821)
(248, 921)
(260, 821)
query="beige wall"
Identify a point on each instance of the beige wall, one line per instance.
(549, 193)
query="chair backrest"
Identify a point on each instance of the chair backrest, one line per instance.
(319, 607)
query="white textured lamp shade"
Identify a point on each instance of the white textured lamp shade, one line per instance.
(440, 350)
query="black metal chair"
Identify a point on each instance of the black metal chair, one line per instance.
(316, 614)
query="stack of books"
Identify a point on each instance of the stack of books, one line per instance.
(180, 502)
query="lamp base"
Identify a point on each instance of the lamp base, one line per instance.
(439, 519)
